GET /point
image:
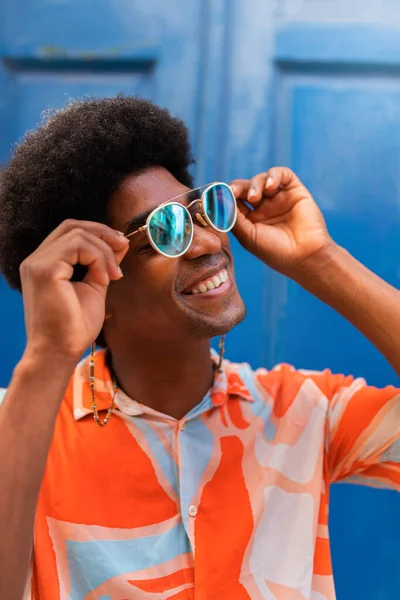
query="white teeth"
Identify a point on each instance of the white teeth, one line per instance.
(216, 281)
(213, 283)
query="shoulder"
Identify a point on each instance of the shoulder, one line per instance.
(284, 377)
(283, 384)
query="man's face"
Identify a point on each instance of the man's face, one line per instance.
(155, 297)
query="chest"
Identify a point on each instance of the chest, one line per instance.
(148, 499)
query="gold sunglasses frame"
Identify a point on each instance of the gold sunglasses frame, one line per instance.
(202, 217)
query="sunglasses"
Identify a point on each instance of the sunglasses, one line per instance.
(169, 227)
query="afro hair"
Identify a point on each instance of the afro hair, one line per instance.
(69, 167)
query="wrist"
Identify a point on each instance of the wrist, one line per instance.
(36, 361)
(37, 388)
(319, 265)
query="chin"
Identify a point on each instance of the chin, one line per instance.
(209, 326)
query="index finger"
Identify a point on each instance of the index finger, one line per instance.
(280, 178)
(115, 239)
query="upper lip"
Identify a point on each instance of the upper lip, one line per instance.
(206, 275)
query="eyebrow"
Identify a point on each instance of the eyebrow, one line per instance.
(138, 221)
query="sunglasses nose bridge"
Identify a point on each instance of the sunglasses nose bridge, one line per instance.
(197, 214)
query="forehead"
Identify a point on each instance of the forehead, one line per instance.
(140, 193)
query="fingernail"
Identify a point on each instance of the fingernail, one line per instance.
(252, 193)
(122, 235)
(270, 181)
(120, 272)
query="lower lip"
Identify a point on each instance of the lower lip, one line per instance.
(219, 291)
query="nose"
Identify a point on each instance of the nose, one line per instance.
(205, 241)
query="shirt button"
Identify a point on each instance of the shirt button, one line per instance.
(192, 510)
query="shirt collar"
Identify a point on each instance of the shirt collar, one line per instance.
(227, 383)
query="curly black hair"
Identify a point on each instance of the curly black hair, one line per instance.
(69, 167)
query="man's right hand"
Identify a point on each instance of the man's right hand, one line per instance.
(63, 317)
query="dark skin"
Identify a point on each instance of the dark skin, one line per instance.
(159, 335)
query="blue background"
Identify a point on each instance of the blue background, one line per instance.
(310, 84)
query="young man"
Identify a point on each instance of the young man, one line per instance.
(206, 479)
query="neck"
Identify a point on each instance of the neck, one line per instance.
(168, 378)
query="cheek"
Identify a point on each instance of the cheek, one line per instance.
(146, 283)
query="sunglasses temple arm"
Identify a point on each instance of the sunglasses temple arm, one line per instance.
(137, 231)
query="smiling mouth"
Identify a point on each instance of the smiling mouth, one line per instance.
(209, 284)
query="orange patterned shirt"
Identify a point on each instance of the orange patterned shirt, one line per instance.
(229, 502)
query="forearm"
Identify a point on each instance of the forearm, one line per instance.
(363, 298)
(27, 419)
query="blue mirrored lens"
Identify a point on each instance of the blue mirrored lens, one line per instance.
(219, 204)
(170, 228)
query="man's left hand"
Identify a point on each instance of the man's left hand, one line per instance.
(278, 220)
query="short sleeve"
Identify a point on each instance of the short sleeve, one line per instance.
(363, 433)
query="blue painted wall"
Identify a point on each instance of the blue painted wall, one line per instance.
(313, 85)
